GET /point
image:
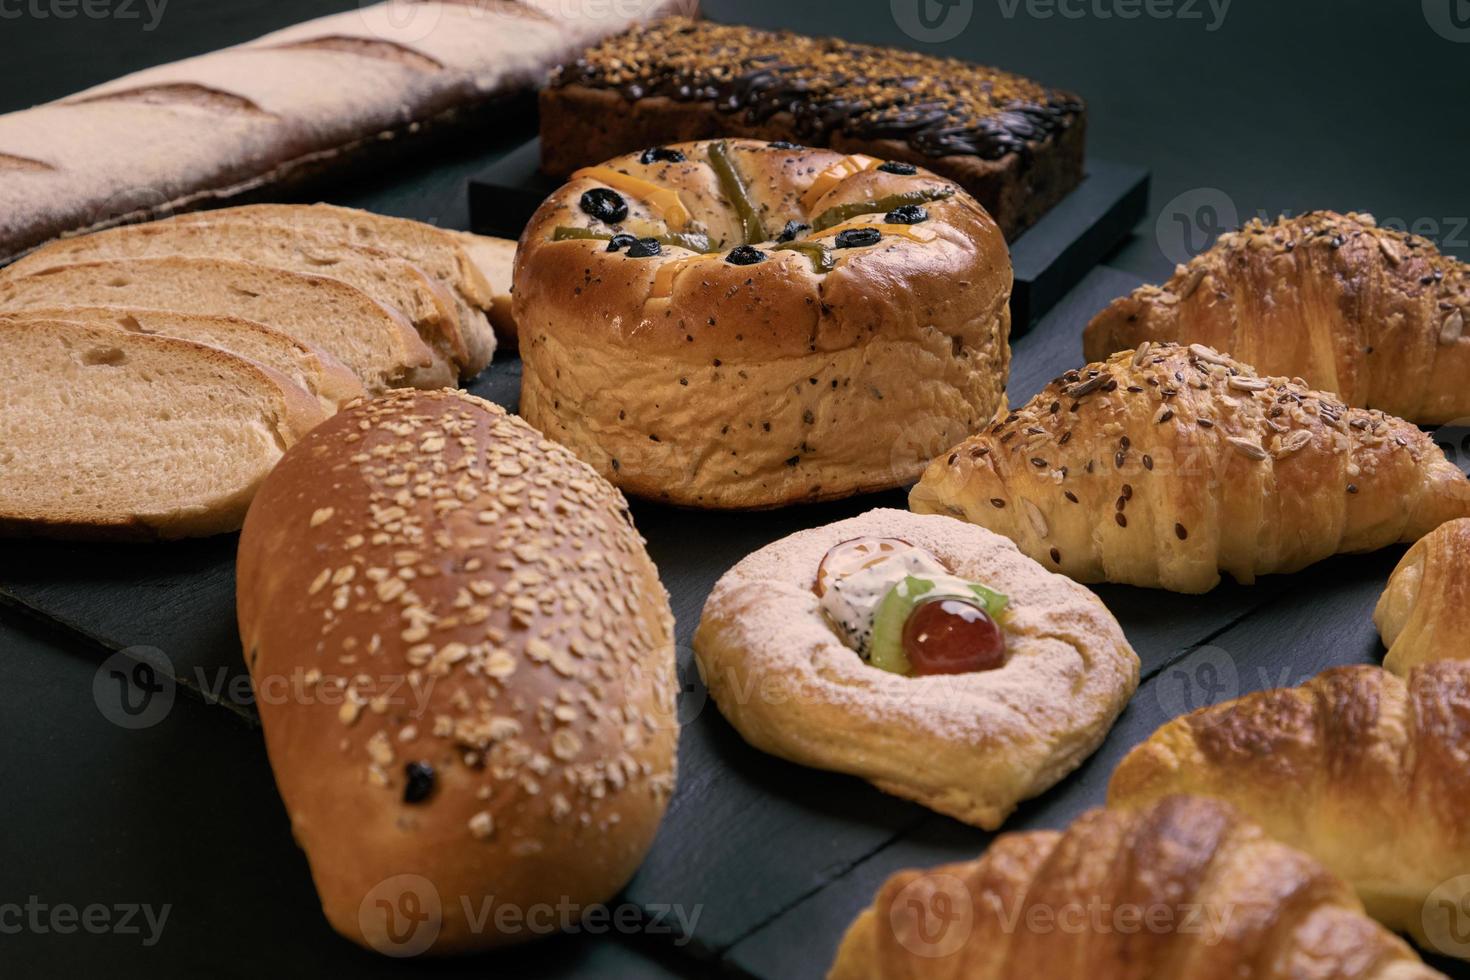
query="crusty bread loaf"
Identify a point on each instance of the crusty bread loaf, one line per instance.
(279, 108)
(440, 254)
(379, 346)
(1016, 146)
(110, 433)
(526, 750)
(313, 369)
(780, 335)
(389, 280)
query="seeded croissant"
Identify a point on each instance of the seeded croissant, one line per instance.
(1185, 889)
(1164, 466)
(1367, 773)
(1375, 315)
(1424, 614)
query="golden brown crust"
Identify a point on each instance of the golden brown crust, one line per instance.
(1424, 613)
(968, 745)
(1164, 466)
(1377, 316)
(1184, 889)
(1365, 772)
(689, 378)
(488, 606)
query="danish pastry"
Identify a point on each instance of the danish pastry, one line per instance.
(928, 656)
(1424, 614)
(1361, 770)
(1375, 315)
(1184, 889)
(745, 324)
(1163, 466)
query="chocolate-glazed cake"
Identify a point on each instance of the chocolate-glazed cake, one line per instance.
(1014, 144)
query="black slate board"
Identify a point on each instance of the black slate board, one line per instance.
(1049, 258)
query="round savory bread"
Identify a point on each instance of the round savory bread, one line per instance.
(970, 745)
(741, 324)
(464, 666)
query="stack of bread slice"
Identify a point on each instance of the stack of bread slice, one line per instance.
(155, 372)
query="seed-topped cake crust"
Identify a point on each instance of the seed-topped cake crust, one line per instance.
(1013, 143)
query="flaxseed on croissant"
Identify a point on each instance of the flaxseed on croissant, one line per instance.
(1377, 316)
(1367, 773)
(1183, 889)
(1164, 466)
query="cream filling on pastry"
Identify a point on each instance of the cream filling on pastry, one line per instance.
(851, 600)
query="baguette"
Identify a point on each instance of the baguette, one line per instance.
(391, 281)
(326, 378)
(380, 347)
(279, 109)
(106, 433)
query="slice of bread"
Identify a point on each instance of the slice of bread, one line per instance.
(107, 433)
(495, 258)
(389, 280)
(436, 251)
(315, 370)
(374, 341)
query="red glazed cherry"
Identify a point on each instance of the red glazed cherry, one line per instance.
(952, 636)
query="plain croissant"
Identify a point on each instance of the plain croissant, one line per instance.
(1375, 315)
(1367, 773)
(1163, 466)
(1424, 614)
(1184, 889)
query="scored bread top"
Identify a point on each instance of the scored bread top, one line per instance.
(374, 341)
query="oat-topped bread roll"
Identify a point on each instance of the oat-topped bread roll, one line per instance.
(734, 323)
(1184, 889)
(1424, 613)
(1375, 315)
(1164, 466)
(1013, 144)
(473, 662)
(927, 656)
(1366, 772)
(279, 109)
